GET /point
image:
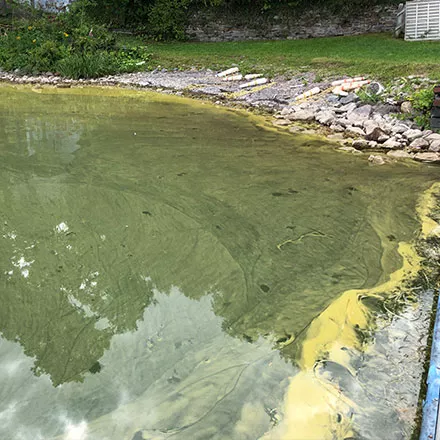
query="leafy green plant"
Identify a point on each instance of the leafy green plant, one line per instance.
(368, 98)
(68, 43)
(131, 59)
(87, 65)
(421, 101)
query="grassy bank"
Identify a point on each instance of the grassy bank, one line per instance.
(378, 55)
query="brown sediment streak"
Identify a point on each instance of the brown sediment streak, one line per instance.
(316, 409)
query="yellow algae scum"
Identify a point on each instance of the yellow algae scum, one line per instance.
(316, 408)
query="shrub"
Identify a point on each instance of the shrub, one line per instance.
(167, 19)
(68, 43)
(87, 65)
(421, 101)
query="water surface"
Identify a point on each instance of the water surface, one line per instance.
(160, 258)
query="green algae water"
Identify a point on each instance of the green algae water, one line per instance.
(160, 259)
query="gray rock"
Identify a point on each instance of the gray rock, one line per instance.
(377, 135)
(412, 134)
(399, 154)
(372, 144)
(351, 97)
(363, 111)
(427, 157)
(369, 126)
(286, 111)
(296, 129)
(343, 122)
(332, 99)
(433, 137)
(360, 144)
(302, 115)
(354, 131)
(376, 159)
(383, 138)
(391, 143)
(351, 150)
(325, 117)
(418, 144)
(337, 128)
(435, 146)
(336, 137)
(385, 109)
(372, 130)
(399, 128)
(281, 122)
(346, 108)
(358, 116)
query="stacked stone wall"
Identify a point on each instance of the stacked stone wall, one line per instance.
(228, 26)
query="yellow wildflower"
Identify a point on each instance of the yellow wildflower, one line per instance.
(34, 41)
(66, 35)
(30, 28)
(18, 37)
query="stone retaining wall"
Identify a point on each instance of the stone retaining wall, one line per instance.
(210, 26)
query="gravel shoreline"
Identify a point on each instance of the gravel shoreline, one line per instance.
(359, 128)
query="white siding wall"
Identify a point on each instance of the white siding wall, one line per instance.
(422, 20)
(48, 5)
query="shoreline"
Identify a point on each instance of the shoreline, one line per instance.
(357, 127)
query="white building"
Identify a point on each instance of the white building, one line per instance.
(422, 20)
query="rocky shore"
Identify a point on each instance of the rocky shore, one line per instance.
(382, 130)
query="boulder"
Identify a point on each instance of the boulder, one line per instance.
(358, 116)
(343, 122)
(281, 122)
(363, 112)
(383, 138)
(375, 134)
(399, 154)
(346, 108)
(351, 150)
(332, 99)
(433, 137)
(325, 117)
(286, 111)
(385, 109)
(369, 125)
(391, 143)
(399, 128)
(372, 144)
(337, 128)
(296, 129)
(376, 159)
(413, 134)
(427, 157)
(336, 137)
(418, 144)
(351, 97)
(360, 144)
(354, 131)
(302, 115)
(435, 146)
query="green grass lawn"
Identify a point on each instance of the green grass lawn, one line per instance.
(377, 55)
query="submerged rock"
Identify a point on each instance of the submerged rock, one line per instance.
(376, 159)
(427, 157)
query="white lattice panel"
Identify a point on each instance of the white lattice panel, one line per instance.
(422, 20)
